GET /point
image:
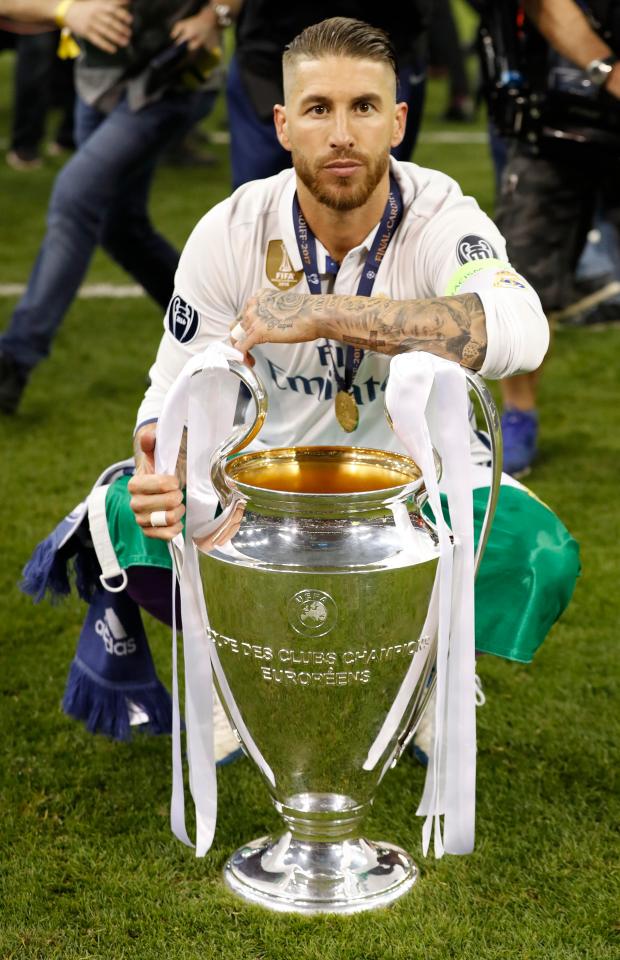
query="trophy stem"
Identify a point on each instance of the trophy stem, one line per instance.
(286, 874)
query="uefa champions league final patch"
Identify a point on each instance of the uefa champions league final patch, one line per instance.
(473, 247)
(182, 320)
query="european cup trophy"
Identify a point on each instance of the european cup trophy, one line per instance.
(318, 612)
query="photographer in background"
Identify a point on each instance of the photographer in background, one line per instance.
(552, 82)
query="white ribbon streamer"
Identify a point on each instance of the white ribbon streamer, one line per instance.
(179, 409)
(203, 398)
(427, 400)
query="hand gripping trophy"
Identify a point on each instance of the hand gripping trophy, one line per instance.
(334, 598)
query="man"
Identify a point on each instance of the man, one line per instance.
(263, 28)
(559, 112)
(131, 105)
(400, 261)
(339, 121)
(398, 258)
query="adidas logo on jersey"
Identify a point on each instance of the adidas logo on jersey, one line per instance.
(113, 634)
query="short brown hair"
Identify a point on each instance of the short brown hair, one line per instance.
(342, 36)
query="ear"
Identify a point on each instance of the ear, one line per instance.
(279, 119)
(400, 122)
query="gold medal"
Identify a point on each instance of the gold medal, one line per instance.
(347, 413)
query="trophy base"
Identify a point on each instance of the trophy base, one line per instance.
(306, 876)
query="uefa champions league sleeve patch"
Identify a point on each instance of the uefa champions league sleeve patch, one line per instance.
(473, 247)
(182, 320)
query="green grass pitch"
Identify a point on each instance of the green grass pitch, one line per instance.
(88, 866)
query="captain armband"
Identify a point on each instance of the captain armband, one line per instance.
(486, 274)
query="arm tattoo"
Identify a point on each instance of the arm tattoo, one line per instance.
(281, 310)
(449, 327)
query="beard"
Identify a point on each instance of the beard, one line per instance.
(341, 195)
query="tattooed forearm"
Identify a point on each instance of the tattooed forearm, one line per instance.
(280, 310)
(449, 327)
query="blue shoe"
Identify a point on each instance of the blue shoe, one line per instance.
(520, 432)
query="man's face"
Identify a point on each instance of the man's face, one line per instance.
(339, 122)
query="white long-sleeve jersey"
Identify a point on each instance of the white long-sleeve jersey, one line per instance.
(444, 245)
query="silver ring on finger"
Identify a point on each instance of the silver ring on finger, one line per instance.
(158, 518)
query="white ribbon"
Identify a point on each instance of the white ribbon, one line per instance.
(427, 400)
(203, 398)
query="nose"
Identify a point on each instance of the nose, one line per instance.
(340, 135)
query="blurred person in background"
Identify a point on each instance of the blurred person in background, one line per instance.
(104, 23)
(552, 83)
(262, 31)
(41, 78)
(446, 55)
(41, 81)
(138, 90)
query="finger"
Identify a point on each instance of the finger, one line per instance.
(146, 466)
(223, 533)
(238, 334)
(147, 440)
(250, 339)
(103, 44)
(122, 15)
(118, 18)
(172, 516)
(145, 505)
(109, 36)
(162, 533)
(151, 483)
(230, 527)
(116, 33)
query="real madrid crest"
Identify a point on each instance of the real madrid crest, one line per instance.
(279, 268)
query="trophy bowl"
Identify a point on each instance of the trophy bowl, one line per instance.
(317, 608)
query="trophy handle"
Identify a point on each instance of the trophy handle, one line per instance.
(241, 435)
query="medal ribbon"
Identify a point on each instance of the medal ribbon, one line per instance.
(306, 243)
